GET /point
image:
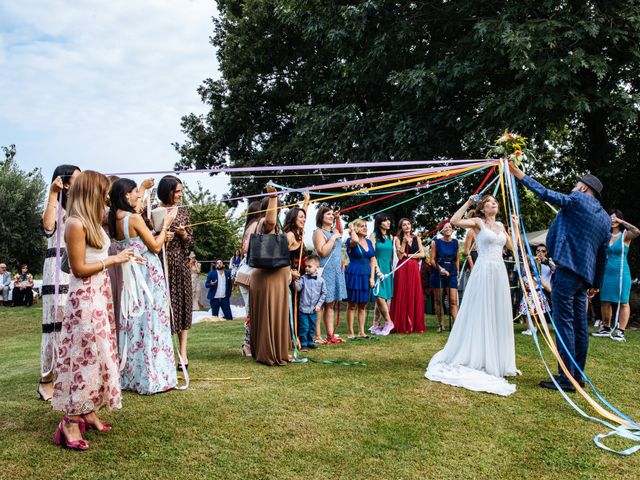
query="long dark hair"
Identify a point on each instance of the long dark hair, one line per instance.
(478, 211)
(290, 222)
(64, 172)
(377, 221)
(400, 232)
(118, 196)
(253, 214)
(167, 187)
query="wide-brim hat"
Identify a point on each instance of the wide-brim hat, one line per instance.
(593, 183)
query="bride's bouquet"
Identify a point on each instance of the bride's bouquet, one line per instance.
(512, 146)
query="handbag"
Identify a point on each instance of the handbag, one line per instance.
(64, 262)
(243, 274)
(268, 251)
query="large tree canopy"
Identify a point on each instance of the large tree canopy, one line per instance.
(317, 81)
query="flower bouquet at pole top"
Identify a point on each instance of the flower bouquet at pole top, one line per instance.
(511, 146)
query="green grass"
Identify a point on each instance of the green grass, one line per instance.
(383, 421)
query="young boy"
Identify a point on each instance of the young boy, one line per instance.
(313, 292)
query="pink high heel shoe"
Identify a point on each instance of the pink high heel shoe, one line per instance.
(61, 437)
(105, 426)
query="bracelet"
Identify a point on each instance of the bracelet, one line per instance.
(104, 265)
(52, 204)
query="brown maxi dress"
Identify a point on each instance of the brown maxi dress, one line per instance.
(269, 307)
(180, 274)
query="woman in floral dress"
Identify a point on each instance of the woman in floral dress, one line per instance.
(87, 367)
(145, 333)
(180, 238)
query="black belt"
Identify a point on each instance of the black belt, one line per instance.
(51, 252)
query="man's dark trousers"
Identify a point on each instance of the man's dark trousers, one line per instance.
(217, 303)
(569, 297)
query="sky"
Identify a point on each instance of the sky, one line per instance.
(103, 85)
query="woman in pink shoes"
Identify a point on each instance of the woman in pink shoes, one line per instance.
(87, 370)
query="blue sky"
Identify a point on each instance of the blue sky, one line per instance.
(102, 85)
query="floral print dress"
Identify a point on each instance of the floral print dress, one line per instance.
(87, 366)
(145, 337)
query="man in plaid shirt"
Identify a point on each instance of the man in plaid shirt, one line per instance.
(577, 241)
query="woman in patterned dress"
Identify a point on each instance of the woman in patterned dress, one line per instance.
(180, 238)
(145, 335)
(87, 368)
(63, 177)
(328, 243)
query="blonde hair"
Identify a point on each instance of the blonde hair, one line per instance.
(87, 199)
(358, 223)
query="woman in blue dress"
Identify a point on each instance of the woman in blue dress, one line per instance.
(616, 284)
(359, 275)
(145, 342)
(328, 243)
(444, 274)
(382, 241)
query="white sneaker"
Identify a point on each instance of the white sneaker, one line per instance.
(603, 332)
(526, 332)
(597, 323)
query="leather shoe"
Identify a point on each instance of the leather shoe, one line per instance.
(567, 387)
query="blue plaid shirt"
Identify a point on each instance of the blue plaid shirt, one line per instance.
(579, 236)
(314, 291)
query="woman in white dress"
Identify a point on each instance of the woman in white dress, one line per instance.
(480, 350)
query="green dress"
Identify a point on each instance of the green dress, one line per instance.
(384, 256)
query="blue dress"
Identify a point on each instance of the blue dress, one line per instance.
(610, 291)
(150, 365)
(332, 271)
(446, 256)
(358, 272)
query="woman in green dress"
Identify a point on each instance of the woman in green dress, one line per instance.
(383, 243)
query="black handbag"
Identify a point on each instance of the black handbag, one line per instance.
(268, 251)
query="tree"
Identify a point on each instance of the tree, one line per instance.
(21, 196)
(221, 235)
(316, 81)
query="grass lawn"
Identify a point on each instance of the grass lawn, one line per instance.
(383, 421)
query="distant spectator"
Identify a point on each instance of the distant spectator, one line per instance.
(196, 286)
(234, 263)
(219, 283)
(23, 287)
(5, 284)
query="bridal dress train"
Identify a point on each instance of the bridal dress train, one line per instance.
(480, 350)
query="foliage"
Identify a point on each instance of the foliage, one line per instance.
(21, 197)
(311, 421)
(316, 81)
(220, 236)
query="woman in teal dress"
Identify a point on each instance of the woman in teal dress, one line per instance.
(382, 241)
(146, 348)
(616, 287)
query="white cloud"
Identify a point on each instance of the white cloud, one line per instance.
(102, 84)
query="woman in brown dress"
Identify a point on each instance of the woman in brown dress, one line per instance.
(269, 302)
(180, 238)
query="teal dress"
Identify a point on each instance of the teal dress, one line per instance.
(616, 257)
(384, 256)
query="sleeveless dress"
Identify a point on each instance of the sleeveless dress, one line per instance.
(610, 291)
(384, 256)
(150, 364)
(87, 369)
(332, 271)
(407, 307)
(446, 256)
(269, 306)
(358, 272)
(480, 349)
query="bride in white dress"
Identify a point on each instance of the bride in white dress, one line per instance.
(480, 350)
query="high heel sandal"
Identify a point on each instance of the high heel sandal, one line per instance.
(40, 393)
(88, 426)
(246, 350)
(61, 437)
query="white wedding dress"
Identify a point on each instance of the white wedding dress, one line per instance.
(480, 350)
